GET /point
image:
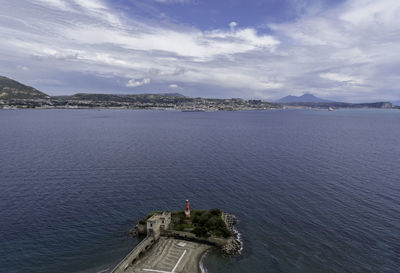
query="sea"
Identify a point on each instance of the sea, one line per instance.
(313, 191)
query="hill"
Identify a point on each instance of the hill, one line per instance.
(171, 94)
(337, 105)
(304, 98)
(144, 98)
(397, 103)
(10, 89)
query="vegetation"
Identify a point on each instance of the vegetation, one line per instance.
(203, 223)
(10, 89)
(136, 98)
(16, 95)
(144, 219)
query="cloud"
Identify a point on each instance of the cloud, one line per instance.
(93, 8)
(201, 46)
(136, 83)
(367, 12)
(174, 1)
(174, 86)
(343, 52)
(58, 4)
(232, 26)
(22, 67)
(342, 78)
(346, 52)
(82, 40)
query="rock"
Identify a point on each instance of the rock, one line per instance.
(232, 247)
(234, 244)
(138, 229)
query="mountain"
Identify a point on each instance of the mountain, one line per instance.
(337, 105)
(161, 97)
(304, 98)
(397, 103)
(171, 94)
(10, 89)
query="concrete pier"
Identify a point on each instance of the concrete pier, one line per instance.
(137, 253)
(167, 255)
(162, 254)
(166, 250)
(171, 256)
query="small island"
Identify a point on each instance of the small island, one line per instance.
(175, 241)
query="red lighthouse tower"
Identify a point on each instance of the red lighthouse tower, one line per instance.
(187, 209)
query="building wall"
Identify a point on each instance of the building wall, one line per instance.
(158, 222)
(166, 220)
(153, 227)
(135, 255)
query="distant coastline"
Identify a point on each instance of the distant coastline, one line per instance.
(139, 102)
(14, 95)
(190, 105)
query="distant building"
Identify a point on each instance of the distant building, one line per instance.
(158, 222)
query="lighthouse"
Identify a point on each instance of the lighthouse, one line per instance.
(187, 209)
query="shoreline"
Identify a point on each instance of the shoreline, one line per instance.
(200, 258)
(143, 109)
(201, 262)
(202, 111)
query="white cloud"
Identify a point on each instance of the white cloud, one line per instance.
(173, 1)
(82, 37)
(195, 44)
(351, 47)
(99, 10)
(91, 4)
(342, 78)
(174, 86)
(369, 12)
(232, 26)
(59, 4)
(22, 67)
(136, 83)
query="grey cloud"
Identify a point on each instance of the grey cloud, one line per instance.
(339, 54)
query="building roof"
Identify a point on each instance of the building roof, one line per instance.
(158, 216)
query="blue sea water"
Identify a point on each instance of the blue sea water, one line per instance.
(314, 191)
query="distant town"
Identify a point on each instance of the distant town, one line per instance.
(142, 101)
(14, 95)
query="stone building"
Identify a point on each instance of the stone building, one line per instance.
(158, 222)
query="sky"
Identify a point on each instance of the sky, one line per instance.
(343, 50)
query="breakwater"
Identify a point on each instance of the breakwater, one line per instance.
(135, 254)
(158, 225)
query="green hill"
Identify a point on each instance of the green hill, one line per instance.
(10, 89)
(142, 98)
